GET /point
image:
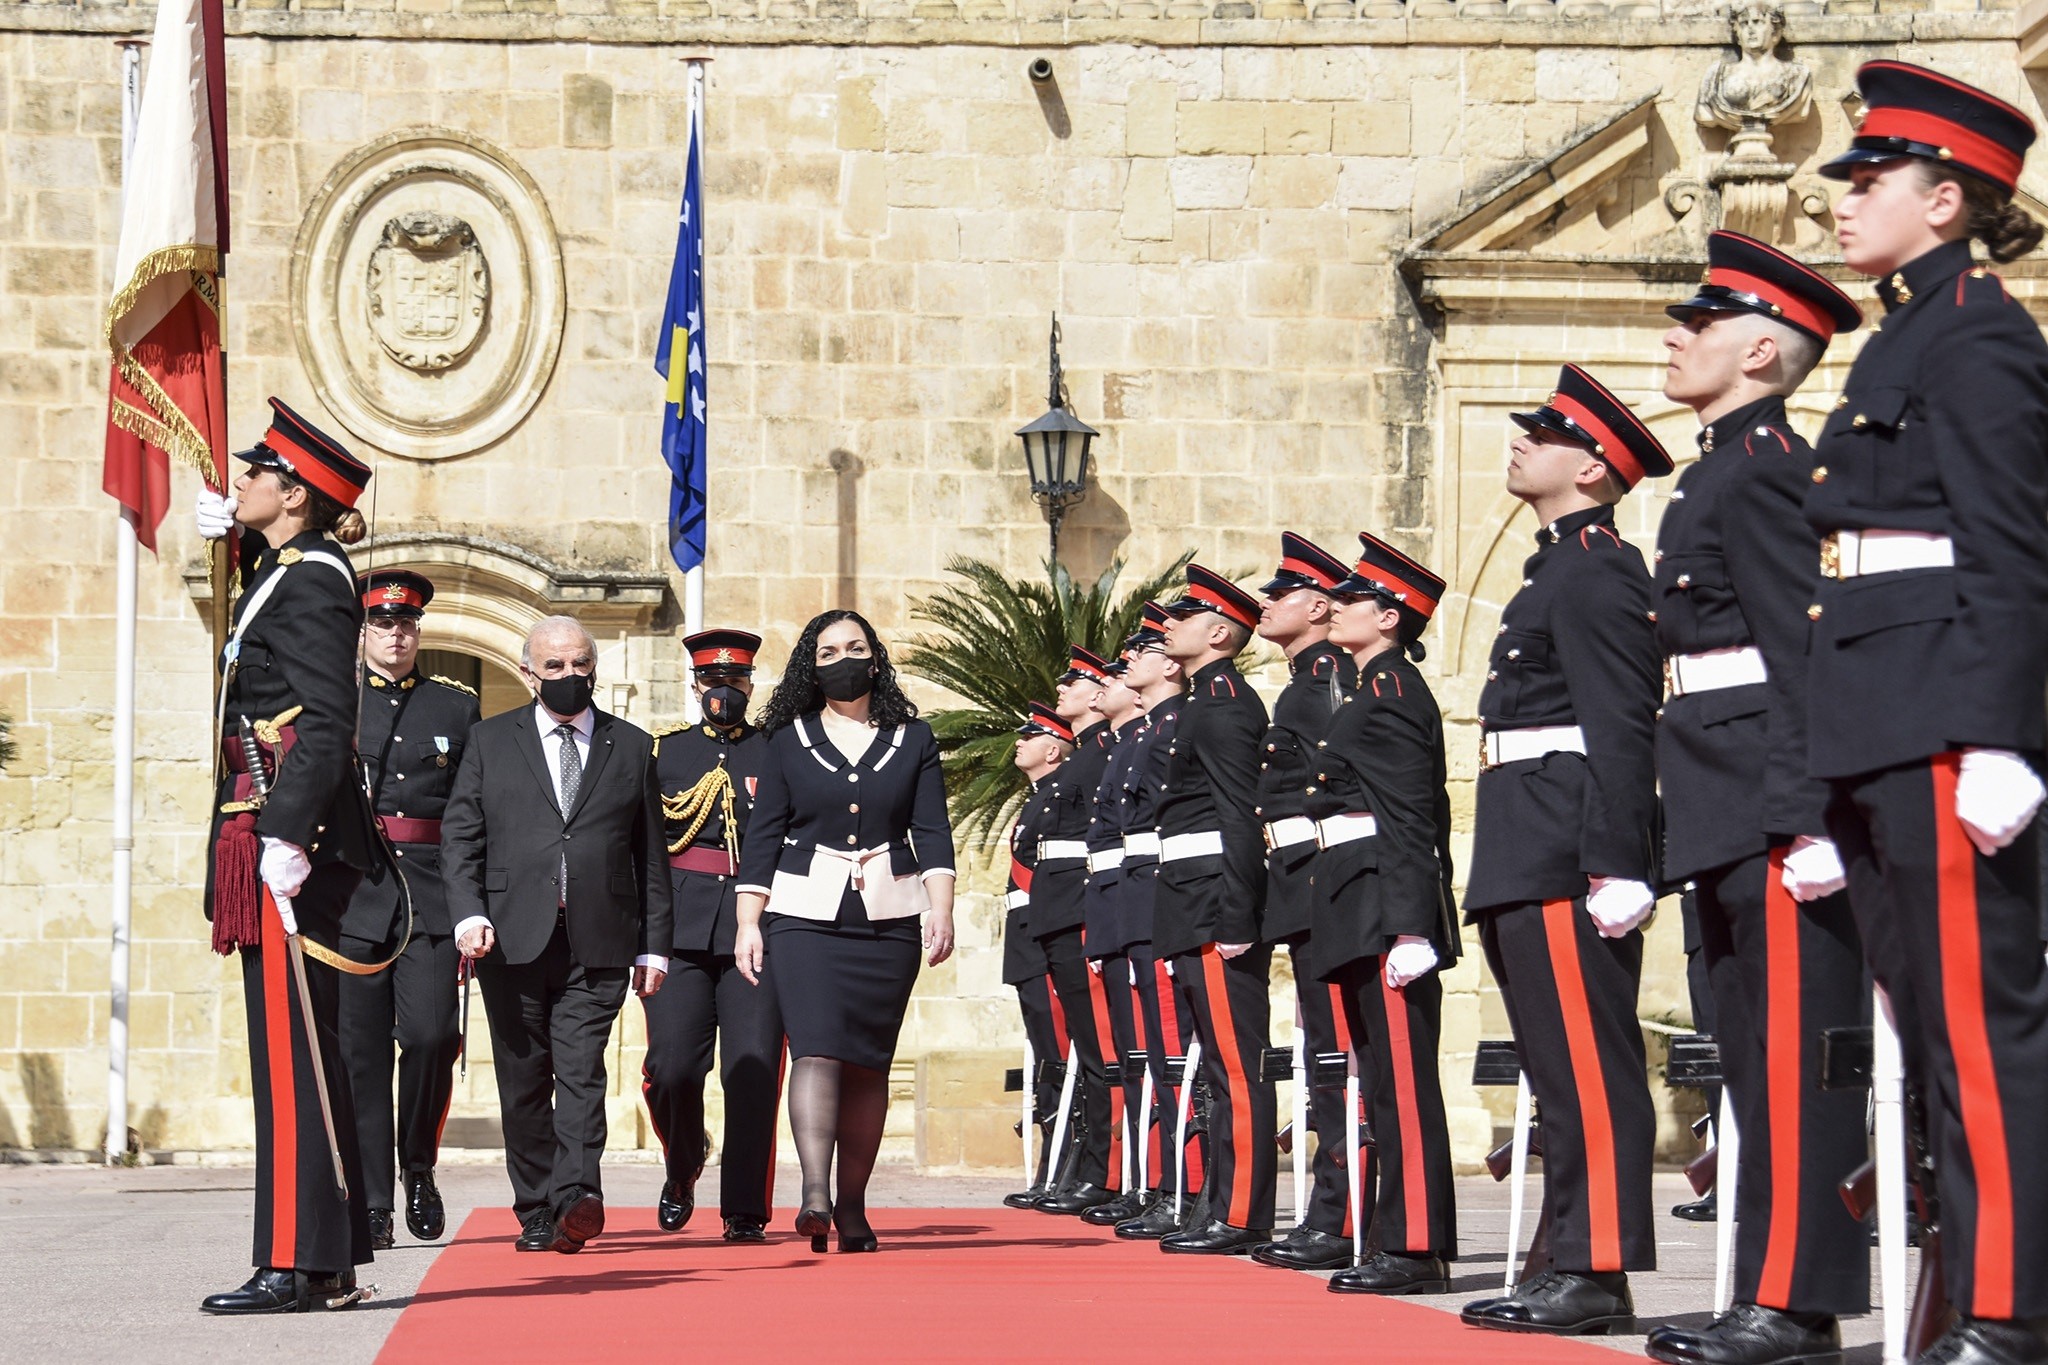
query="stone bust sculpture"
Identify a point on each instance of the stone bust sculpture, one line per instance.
(1750, 92)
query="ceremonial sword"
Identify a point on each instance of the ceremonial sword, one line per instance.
(259, 785)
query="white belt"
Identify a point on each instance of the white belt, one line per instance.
(1295, 829)
(1145, 845)
(1016, 900)
(1852, 554)
(1514, 746)
(1345, 829)
(1061, 850)
(1102, 860)
(1204, 843)
(1714, 670)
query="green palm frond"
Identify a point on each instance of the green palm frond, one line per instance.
(998, 645)
(7, 749)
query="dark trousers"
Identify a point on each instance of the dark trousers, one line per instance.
(1229, 1003)
(1126, 1032)
(704, 1004)
(303, 1222)
(1571, 1001)
(1088, 1029)
(1782, 972)
(1325, 1029)
(1955, 940)
(412, 1003)
(1046, 1028)
(1415, 1208)
(550, 1021)
(1168, 1027)
(1699, 994)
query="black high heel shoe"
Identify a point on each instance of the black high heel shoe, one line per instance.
(856, 1241)
(814, 1222)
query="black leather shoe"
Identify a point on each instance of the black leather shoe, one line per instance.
(739, 1229)
(1079, 1199)
(1306, 1249)
(1025, 1199)
(1560, 1302)
(1215, 1239)
(381, 1236)
(1394, 1272)
(1750, 1334)
(1986, 1341)
(1121, 1209)
(536, 1232)
(426, 1217)
(1702, 1210)
(580, 1218)
(285, 1291)
(678, 1201)
(1153, 1223)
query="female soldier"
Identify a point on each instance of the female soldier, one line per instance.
(848, 846)
(1927, 663)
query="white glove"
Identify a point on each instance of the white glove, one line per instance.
(1618, 905)
(215, 513)
(284, 870)
(1996, 795)
(1813, 868)
(1410, 959)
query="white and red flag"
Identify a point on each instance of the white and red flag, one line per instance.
(168, 393)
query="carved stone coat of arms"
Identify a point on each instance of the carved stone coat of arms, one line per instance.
(429, 290)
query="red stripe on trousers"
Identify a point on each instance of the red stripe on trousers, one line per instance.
(1414, 1179)
(1342, 1027)
(1784, 1040)
(1059, 1020)
(1596, 1122)
(1224, 1029)
(279, 995)
(1969, 1041)
(1170, 1045)
(1105, 1044)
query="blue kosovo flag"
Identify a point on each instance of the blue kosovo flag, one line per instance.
(679, 358)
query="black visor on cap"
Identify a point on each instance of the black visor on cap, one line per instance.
(1553, 422)
(1287, 581)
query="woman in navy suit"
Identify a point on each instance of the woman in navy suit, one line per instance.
(848, 848)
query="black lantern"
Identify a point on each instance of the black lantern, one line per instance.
(1056, 451)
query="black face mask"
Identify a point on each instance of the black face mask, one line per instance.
(725, 705)
(568, 695)
(847, 679)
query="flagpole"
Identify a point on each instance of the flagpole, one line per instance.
(125, 570)
(693, 579)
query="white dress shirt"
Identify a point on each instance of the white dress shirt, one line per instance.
(582, 726)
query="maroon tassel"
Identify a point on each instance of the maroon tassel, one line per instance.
(237, 892)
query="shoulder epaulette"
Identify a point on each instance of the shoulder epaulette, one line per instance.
(1598, 537)
(450, 682)
(1776, 445)
(1222, 686)
(1979, 273)
(1324, 663)
(670, 729)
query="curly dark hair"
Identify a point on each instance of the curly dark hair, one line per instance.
(798, 694)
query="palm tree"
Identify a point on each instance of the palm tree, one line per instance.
(7, 750)
(1000, 645)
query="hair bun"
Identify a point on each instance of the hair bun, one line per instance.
(349, 527)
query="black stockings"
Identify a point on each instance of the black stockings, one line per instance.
(834, 1103)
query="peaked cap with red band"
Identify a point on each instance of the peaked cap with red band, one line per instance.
(1384, 571)
(1912, 111)
(1151, 629)
(309, 455)
(394, 592)
(1084, 663)
(726, 649)
(1303, 564)
(1582, 410)
(1208, 590)
(1746, 276)
(1043, 720)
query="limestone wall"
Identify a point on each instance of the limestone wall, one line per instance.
(1213, 200)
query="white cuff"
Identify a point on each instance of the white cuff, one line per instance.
(757, 890)
(654, 960)
(474, 921)
(932, 872)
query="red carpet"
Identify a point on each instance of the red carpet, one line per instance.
(948, 1285)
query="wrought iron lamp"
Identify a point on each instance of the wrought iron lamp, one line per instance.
(1056, 451)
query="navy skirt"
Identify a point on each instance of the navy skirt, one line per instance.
(843, 984)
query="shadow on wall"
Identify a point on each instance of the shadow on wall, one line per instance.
(49, 1121)
(1093, 534)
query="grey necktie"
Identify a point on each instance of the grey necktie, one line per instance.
(571, 779)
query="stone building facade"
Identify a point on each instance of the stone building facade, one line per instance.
(1305, 259)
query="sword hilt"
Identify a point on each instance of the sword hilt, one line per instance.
(252, 756)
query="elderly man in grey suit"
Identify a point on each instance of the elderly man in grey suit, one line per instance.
(557, 881)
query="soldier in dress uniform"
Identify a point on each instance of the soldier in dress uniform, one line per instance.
(708, 773)
(1735, 570)
(1296, 617)
(1044, 741)
(1385, 920)
(410, 734)
(284, 862)
(1059, 919)
(1211, 889)
(1562, 856)
(1927, 660)
(1162, 1002)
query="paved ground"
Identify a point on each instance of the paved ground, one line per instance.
(109, 1265)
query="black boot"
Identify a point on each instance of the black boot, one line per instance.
(1560, 1302)
(426, 1217)
(1079, 1199)
(1987, 1341)
(1306, 1249)
(285, 1291)
(1750, 1334)
(1215, 1238)
(1394, 1272)
(1121, 1209)
(536, 1232)
(739, 1228)
(1702, 1210)
(678, 1201)
(381, 1236)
